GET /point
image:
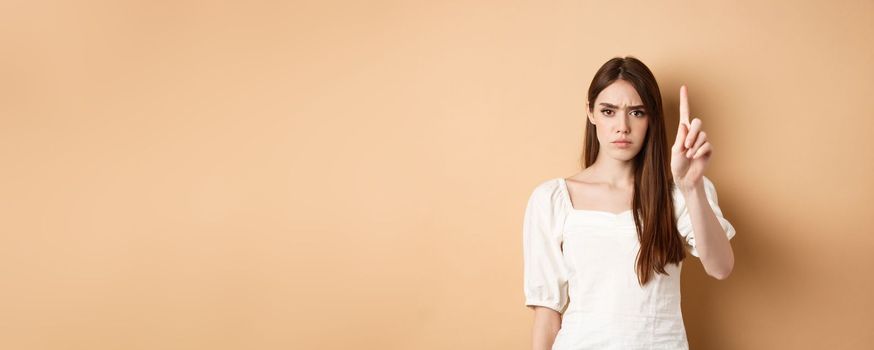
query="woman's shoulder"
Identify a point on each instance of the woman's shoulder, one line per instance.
(549, 186)
(548, 191)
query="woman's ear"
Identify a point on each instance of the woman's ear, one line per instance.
(589, 114)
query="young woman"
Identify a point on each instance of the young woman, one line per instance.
(603, 249)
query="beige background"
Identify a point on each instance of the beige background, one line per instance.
(352, 175)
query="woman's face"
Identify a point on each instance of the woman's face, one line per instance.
(618, 114)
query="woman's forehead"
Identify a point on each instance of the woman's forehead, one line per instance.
(620, 93)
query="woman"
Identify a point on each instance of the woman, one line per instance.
(603, 249)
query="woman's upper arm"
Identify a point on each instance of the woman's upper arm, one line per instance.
(545, 278)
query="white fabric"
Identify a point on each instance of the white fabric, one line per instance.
(582, 263)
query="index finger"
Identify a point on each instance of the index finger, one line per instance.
(684, 105)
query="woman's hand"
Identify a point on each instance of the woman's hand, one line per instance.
(691, 151)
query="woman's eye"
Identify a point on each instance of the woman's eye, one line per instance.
(606, 111)
(640, 113)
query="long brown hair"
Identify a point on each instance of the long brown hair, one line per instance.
(652, 204)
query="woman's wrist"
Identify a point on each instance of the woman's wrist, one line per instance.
(690, 187)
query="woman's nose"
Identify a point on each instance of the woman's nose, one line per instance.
(623, 125)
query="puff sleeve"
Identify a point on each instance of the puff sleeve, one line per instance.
(545, 274)
(684, 221)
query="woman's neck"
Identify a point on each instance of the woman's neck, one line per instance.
(613, 172)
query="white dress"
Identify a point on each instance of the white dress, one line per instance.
(582, 263)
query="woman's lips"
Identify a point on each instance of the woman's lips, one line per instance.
(622, 144)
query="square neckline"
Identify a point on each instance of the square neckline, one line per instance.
(570, 203)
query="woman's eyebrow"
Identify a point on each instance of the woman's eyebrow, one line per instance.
(605, 104)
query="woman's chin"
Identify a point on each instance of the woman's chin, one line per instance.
(623, 155)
